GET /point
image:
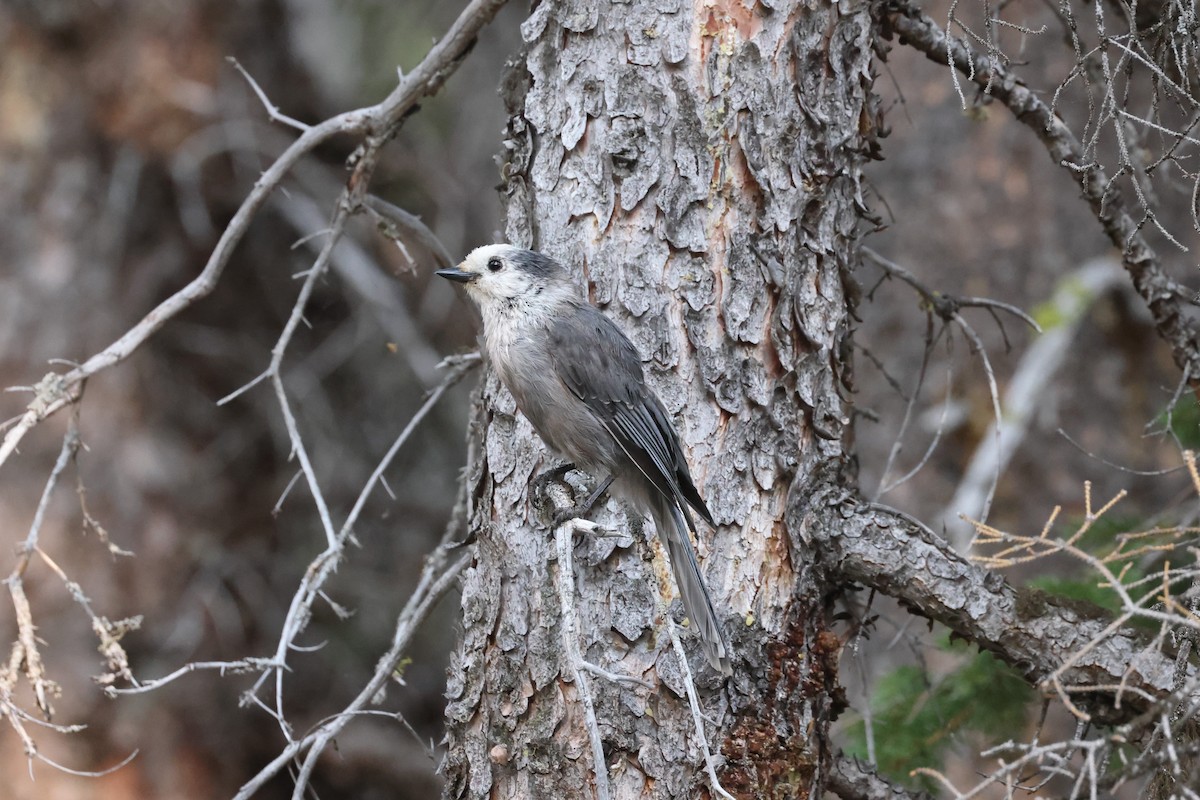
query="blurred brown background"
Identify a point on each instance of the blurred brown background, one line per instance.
(127, 141)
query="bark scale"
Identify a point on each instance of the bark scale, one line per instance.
(697, 166)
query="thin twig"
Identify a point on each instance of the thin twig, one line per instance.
(614, 677)
(1107, 463)
(933, 443)
(69, 447)
(945, 304)
(931, 338)
(689, 687)
(239, 667)
(272, 110)
(430, 587)
(573, 661)
(397, 224)
(994, 393)
(419, 606)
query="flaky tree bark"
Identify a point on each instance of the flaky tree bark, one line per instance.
(697, 165)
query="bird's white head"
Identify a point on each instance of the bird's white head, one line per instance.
(503, 278)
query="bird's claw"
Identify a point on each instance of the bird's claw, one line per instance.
(557, 515)
(544, 500)
(540, 485)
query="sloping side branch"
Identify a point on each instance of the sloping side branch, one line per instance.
(894, 554)
(1163, 296)
(850, 779)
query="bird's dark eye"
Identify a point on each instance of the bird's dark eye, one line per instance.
(495, 264)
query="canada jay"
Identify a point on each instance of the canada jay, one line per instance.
(579, 381)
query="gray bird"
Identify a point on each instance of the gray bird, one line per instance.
(579, 381)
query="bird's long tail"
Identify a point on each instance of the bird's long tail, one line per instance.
(673, 533)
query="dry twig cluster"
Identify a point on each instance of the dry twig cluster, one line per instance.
(1157, 747)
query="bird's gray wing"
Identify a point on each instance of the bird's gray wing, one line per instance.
(600, 366)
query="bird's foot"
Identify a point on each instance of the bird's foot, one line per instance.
(550, 490)
(553, 506)
(539, 487)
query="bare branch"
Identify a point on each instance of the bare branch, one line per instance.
(272, 110)
(380, 121)
(689, 685)
(69, 447)
(910, 403)
(436, 580)
(273, 370)
(849, 779)
(994, 393)
(1074, 296)
(893, 553)
(397, 224)
(89, 774)
(570, 638)
(378, 293)
(223, 667)
(324, 565)
(26, 656)
(946, 305)
(1162, 295)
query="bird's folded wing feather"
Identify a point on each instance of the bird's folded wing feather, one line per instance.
(609, 380)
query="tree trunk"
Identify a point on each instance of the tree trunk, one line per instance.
(697, 165)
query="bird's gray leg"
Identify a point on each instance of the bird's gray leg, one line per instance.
(600, 489)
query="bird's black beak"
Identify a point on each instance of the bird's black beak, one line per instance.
(457, 275)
